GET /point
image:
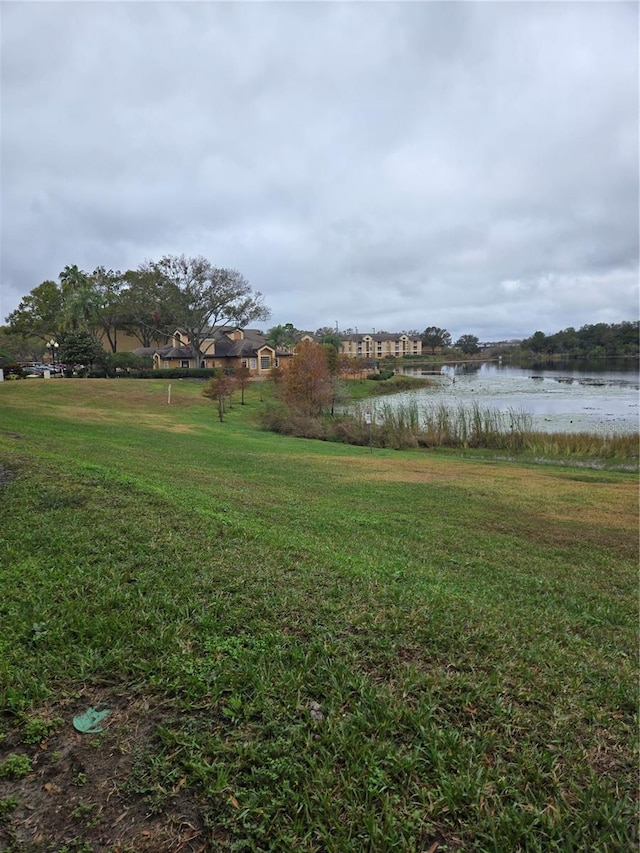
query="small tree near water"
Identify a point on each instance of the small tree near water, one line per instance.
(242, 376)
(220, 389)
(307, 384)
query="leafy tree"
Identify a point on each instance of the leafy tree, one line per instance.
(220, 388)
(536, 343)
(350, 365)
(307, 385)
(145, 304)
(108, 286)
(628, 337)
(80, 347)
(39, 313)
(202, 296)
(565, 342)
(333, 359)
(332, 339)
(283, 337)
(276, 375)
(435, 338)
(127, 361)
(598, 339)
(324, 330)
(469, 344)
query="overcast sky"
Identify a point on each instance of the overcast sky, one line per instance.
(470, 165)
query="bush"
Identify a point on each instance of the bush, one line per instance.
(15, 767)
(381, 376)
(176, 373)
(12, 371)
(350, 431)
(286, 421)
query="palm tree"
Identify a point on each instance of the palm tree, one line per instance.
(81, 301)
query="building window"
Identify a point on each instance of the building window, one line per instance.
(165, 364)
(253, 363)
(265, 362)
(184, 363)
(244, 362)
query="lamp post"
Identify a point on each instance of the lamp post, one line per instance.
(52, 346)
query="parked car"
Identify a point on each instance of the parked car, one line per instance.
(36, 368)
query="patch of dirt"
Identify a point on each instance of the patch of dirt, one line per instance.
(547, 532)
(147, 419)
(81, 794)
(7, 475)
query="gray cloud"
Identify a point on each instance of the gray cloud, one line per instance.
(386, 165)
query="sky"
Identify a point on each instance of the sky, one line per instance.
(376, 165)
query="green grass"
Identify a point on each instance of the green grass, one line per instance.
(347, 651)
(360, 389)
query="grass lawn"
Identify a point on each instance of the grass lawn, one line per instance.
(304, 646)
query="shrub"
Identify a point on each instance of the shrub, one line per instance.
(15, 767)
(12, 371)
(381, 376)
(176, 373)
(287, 421)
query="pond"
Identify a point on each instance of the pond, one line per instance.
(560, 397)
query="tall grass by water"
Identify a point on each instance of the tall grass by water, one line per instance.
(439, 425)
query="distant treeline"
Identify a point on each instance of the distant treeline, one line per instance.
(600, 339)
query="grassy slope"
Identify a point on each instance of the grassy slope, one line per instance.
(467, 629)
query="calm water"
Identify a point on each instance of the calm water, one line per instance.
(563, 398)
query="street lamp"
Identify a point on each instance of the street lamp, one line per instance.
(52, 346)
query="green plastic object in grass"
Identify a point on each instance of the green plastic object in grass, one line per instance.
(88, 722)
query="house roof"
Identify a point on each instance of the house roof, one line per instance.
(226, 348)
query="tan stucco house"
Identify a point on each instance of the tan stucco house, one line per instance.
(224, 347)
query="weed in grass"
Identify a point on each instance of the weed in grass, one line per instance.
(77, 847)
(85, 812)
(7, 807)
(37, 729)
(15, 767)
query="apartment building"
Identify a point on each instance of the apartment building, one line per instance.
(380, 345)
